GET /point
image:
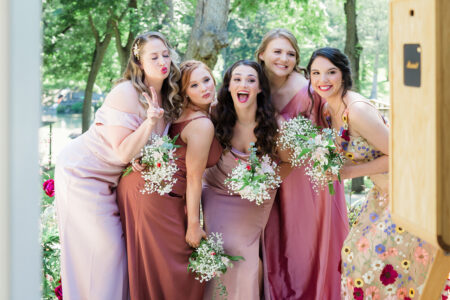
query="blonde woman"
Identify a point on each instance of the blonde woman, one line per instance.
(306, 229)
(93, 258)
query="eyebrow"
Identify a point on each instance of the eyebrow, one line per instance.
(333, 68)
(241, 74)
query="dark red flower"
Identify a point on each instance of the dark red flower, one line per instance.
(213, 253)
(58, 292)
(388, 275)
(49, 187)
(406, 298)
(249, 167)
(358, 294)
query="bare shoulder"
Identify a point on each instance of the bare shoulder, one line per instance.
(201, 126)
(361, 111)
(294, 83)
(124, 97)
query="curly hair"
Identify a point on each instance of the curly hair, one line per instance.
(225, 117)
(279, 33)
(337, 58)
(171, 101)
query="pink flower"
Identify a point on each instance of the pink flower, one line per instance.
(49, 187)
(393, 251)
(374, 292)
(388, 275)
(363, 244)
(421, 255)
(383, 255)
(213, 253)
(349, 283)
(59, 292)
(358, 294)
(402, 293)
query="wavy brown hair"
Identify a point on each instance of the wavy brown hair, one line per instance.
(225, 117)
(280, 33)
(171, 100)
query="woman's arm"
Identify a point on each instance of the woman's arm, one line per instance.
(284, 166)
(198, 136)
(125, 142)
(364, 120)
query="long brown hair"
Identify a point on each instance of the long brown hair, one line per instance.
(186, 68)
(171, 100)
(225, 117)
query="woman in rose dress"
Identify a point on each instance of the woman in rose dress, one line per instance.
(306, 229)
(160, 229)
(380, 260)
(243, 115)
(93, 258)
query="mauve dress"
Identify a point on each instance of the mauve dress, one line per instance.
(155, 228)
(242, 224)
(93, 257)
(306, 230)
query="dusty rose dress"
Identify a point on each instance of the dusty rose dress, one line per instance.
(306, 230)
(155, 229)
(242, 224)
(93, 258)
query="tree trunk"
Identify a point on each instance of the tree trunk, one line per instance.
(209, 33)
(97, 58)
(352, 46)
(124, 51)
(353, 50)
(373, 93)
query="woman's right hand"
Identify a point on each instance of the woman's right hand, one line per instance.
(154, 112)
(194, 235)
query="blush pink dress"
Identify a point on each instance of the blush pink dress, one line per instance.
(306, 230)
(93, 258)
(242, 224)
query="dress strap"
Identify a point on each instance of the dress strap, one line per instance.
(368, 103)
(185, 123)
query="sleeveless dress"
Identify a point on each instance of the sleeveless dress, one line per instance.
(93, 257)
(242, 224)
(380, 259)
(155, 228)
(305, 231)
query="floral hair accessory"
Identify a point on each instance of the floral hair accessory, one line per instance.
(136, 50)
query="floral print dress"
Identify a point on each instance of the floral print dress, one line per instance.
(380, 259)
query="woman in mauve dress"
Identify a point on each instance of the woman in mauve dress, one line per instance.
(93, 257)
(160, 230)
(306, 229)
(244, 115)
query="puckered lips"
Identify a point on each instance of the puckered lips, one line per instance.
(164, 70)
(206, 95)
(325, 88)
(243, 96)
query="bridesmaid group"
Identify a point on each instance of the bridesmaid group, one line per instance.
(117, 243)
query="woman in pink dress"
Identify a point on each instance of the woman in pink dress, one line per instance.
(243, 115)
(305, 231)
(93, 257)
(160, 229)
(380, 259)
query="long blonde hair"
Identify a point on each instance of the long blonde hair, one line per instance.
(279, 33)
(171, 100)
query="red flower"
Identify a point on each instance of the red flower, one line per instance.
(158, 165)
(406, 298)
(249, 167)
(358, 294)
(213, 253)
(59, 292)
(49, 187)
(388, 275)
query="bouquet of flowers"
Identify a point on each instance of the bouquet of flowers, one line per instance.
(313, 148)
(159, 159)
(209, 261)
(253, 179)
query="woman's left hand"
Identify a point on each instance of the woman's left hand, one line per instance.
(194, 235)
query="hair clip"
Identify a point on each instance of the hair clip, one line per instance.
(136, 50)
